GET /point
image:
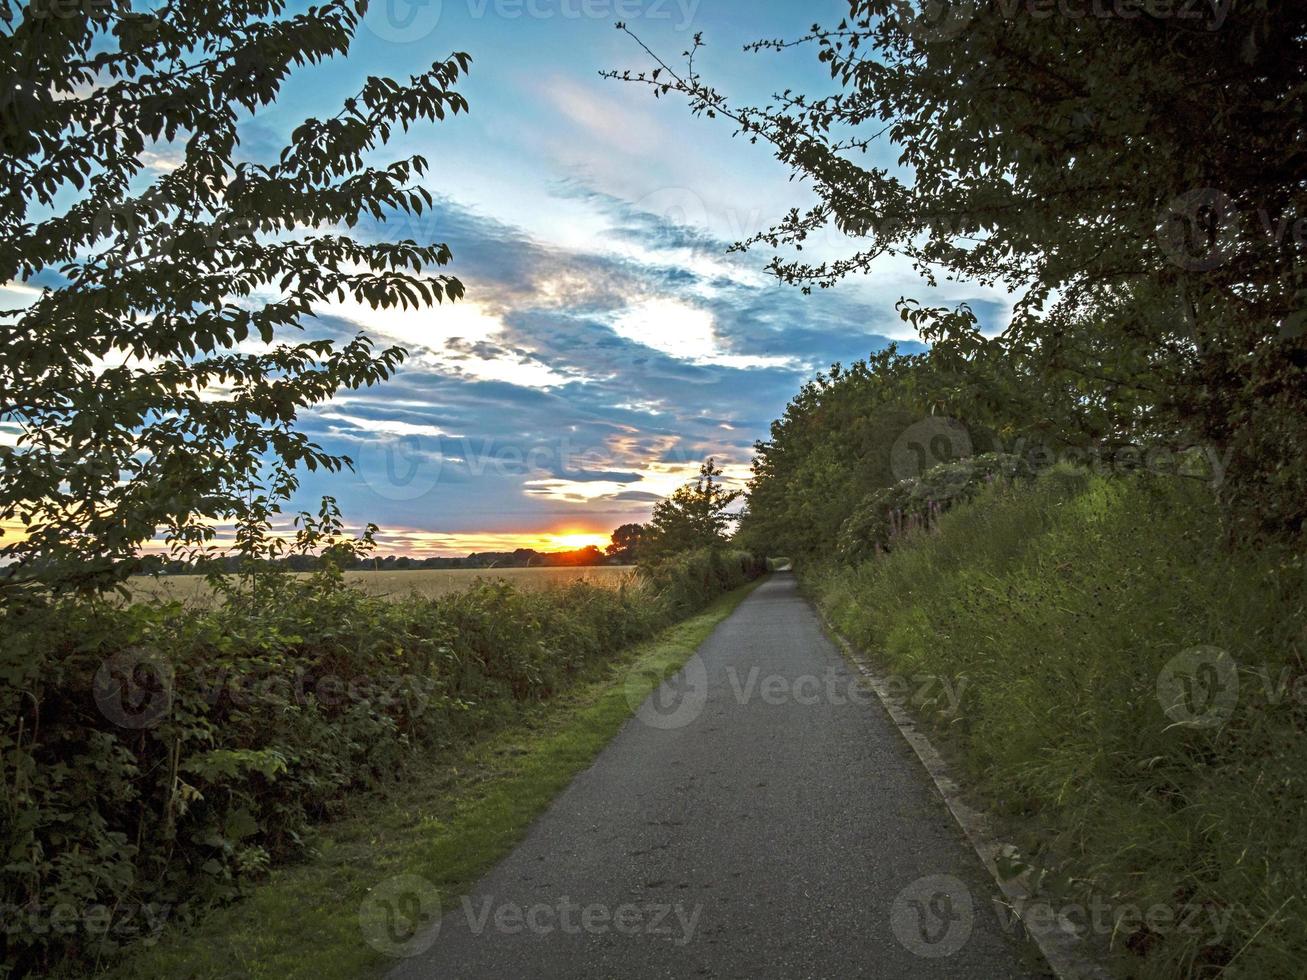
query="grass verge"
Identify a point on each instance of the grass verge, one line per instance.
(448, 821)
(1127, 692)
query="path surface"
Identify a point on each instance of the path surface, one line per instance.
(759, 817)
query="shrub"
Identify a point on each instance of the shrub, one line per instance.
(889, 512)
(159, 757)
(686, 581)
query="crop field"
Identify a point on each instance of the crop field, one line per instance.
(423, 581)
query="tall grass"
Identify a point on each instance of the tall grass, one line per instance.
(1059, 607)
(426, 582)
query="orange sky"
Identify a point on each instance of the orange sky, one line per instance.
(425, 544)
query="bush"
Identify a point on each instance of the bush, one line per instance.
(159, 758)
(916, 503)
(686, 581)
(1056, 608)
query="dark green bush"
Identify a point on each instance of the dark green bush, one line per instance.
(914, 504)
(155, 758)
(686, 581)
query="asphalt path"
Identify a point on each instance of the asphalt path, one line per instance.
(760, 816)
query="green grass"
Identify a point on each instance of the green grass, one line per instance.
(448, 821)
(1060, 607)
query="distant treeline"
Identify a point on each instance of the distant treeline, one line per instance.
(521, 558)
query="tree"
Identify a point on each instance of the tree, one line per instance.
(626, 542)
(150, 380)
(694, 516)
(1136, 180)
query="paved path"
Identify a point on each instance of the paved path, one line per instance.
(759, 817)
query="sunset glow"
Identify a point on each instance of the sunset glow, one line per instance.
(574, 540)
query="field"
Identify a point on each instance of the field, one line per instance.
(424, 582)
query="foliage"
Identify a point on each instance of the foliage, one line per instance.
(1135, 180)
(211, 739)
(149, 379)
(1056, 610)
(693, 517)
(915, 504)
(681, 581)
(626, 542)
(450, 820)
(847, 433)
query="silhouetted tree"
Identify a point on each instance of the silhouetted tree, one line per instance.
(694, 516)
(626, 542)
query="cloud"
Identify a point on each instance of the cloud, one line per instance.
(620, 125)
(686, 332)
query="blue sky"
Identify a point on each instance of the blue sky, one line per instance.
(607, 343)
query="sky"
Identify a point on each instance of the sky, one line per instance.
(607, 342)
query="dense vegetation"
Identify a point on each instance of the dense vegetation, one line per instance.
(1076, 617)
(210, 740)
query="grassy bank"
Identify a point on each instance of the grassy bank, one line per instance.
(448, 821)
(158, 761)
(1133, 701)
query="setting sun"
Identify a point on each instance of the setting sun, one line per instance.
(574, 540)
